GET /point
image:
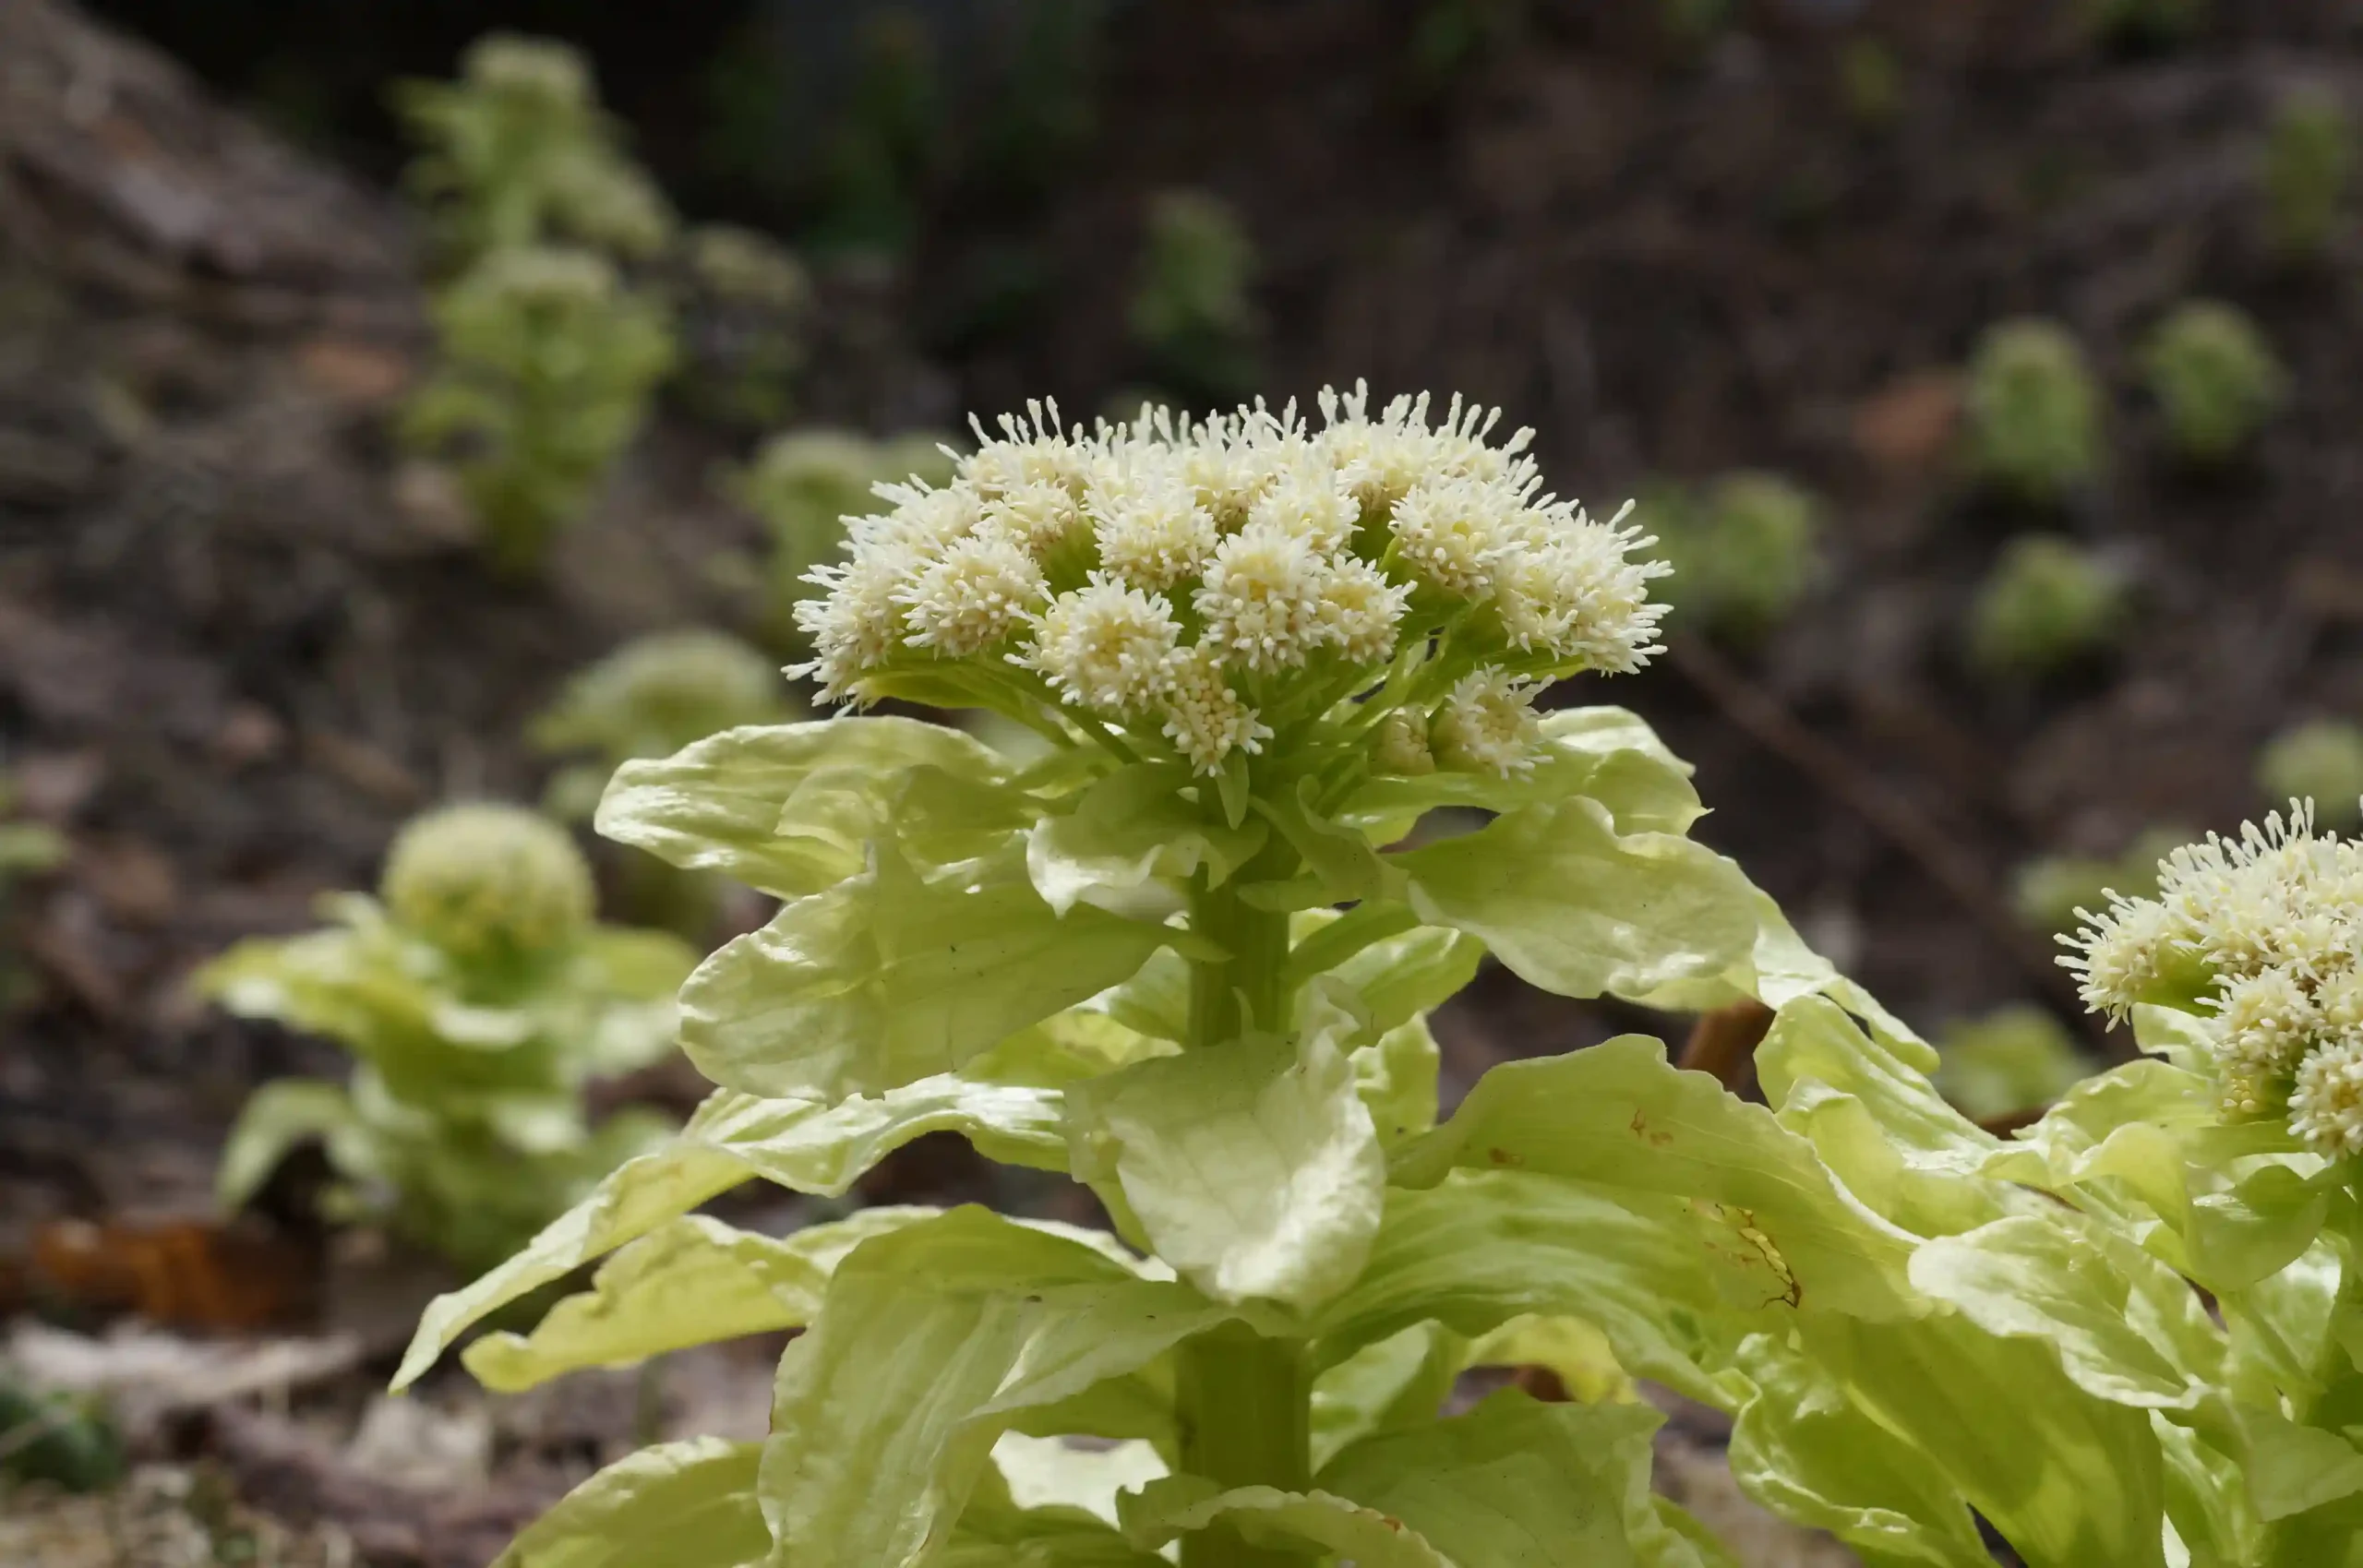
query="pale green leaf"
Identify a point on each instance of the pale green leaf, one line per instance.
(1254, 1167)
(1571, 907)
(2126, 1327)
(790, 809)
(1047, 1472)
(1513, 1481)
(930, 1343)
(1335, 1528)
(736, 1138)
(1877, 1120)
(1606, 754)
(1802, 1447)
(1131, 828)
(1396, 1381)
(1395, 1076)
(2292, 1468)
(1574, 1351)
(276, 1118)
(692, 1282)
(1618, 1116)
(2068, 1479)
(678, 1506)
(1483, 1248)
(892, 976)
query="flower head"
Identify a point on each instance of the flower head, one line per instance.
(2261, 936)
(1201, 587)
(489, 883)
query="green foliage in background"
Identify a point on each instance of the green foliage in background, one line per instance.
(1044, 104)
(2008, 1062)
(2321, 761)
(650, 697)
(2046, 894)
(2034, 414)
(805, 484)
(746, 305)
(1192, 312)
(2215, 380)
(1742, 552)
(478, 998)
(2046, 604)
(26, 849)
(2309, 163)
(1871, 83)
(887, 142)
(55, 1440)
(547, 365)
(2145, 23)
(517, 153)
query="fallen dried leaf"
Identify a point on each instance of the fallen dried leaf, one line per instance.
(184, 1273)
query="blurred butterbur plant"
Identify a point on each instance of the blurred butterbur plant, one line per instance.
(1192, 312)
(2046, 604)
(651, 698)
(2047, 892)
(479, 998)
(2214, 378)
(2008, 1062)
(517, 152)
(2319, 761)
(2034, 413)
(746, 306)
(547, 364)
(2145, 23)
(1743, 554)
(2309, 163)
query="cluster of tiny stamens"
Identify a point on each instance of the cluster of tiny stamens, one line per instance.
(1186, 584)
(2264, 931)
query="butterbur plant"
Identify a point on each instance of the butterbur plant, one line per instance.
(2046, 603)
(1191, 312)
(547, 361)
(2309, 163)
(1743, 555)
(479, 998)
(2034, 413)
(2046, 891)
(651, 698)
(2008, 1062)
(745, 304)
(2214, 378)
(2321, 761)
(1185, 957)
(517, 153)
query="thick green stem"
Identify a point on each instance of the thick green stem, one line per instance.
(1245, 1405)
(1244, 1402)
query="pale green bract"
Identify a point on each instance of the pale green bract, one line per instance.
(1186, 954)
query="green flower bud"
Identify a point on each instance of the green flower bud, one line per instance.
(2216, 378)
(2047, 604)
(2322, 762)
(489, 883)
(2034, 412)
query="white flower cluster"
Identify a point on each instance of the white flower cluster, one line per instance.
(2267, 929)
(1193, 580)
